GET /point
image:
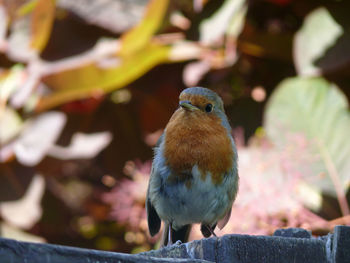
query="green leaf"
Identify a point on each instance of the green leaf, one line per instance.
(41, 23)
(140, 35)
(322, 44)
(315, 113)
(26, 8)
(93, 79)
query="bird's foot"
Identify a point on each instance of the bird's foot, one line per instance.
(178, 243)
(170, 236)
(208, 230)
(211, 231)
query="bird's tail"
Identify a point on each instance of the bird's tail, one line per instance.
(180, 234)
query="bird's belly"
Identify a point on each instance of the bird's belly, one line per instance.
(197, 201)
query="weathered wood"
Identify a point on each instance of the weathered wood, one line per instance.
(287, 245)
(12, 251)
(341, 244)
(244, 249)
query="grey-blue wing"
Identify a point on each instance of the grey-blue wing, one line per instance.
(152, 218)
(152, 215)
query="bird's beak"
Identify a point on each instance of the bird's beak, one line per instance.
(185, 104)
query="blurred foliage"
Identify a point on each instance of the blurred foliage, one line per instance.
(323, 128)
(86, 90)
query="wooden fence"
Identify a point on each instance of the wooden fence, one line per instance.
(287, 245)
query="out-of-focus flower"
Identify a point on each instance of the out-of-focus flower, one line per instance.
(127, 198)
(152, 138)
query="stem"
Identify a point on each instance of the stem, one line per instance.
(334, 175)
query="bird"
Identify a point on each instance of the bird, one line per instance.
(194, 175)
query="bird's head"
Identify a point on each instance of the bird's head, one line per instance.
(202, 100)
(203, 104)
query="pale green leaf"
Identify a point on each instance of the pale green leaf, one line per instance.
(30, 32)
(19, 40)
(25, 212)
(10, 125)
(316, 113)
(12, 232)
(83, 146)
(229, 18)
(321, 44)
(38, 136)
(10, 83)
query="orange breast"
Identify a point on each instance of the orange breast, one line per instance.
(197, 138)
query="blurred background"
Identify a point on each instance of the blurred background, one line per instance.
(87, 87)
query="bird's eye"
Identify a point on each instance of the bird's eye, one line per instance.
(209, 107)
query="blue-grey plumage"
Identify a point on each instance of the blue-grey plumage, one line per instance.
(194, 176)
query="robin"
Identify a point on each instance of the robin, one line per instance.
(194, 177)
